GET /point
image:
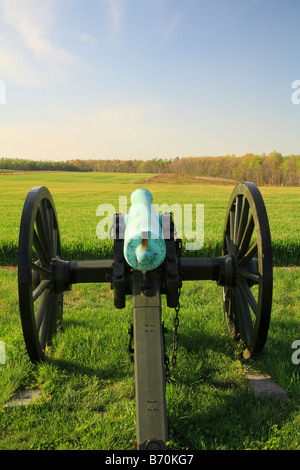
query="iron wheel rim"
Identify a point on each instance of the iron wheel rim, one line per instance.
(40, 306)
(247, 304)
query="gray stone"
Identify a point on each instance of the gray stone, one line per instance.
(264, 386)
(23, 398)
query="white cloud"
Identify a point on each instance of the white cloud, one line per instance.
(169, 17)
(26, 47)
(115, 9)
(16, 68)
(88, 38)
(172, 24)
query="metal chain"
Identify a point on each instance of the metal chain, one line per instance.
(166, 357)
(130, 346)
(175, 334)
(176, 319)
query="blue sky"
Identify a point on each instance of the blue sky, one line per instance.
(148, 78)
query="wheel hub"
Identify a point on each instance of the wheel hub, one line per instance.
(227, 271)
(60, 275)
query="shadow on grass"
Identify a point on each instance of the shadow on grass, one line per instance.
(212, 409)
(237, 423)
(111, 371)
(209, 406)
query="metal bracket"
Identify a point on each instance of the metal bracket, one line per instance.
(171, 271)
(153, 444)
(118, 284)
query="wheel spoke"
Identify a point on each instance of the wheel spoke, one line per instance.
(239, 327)
(226, 297)
(244, 317)
(248, 256)
(249, 296)
(246, 237)
(56, 315)
(55, 241)
(231, 227)
(46, 330)
(228, 244)
(229, 310)
(43, 285)
(40, 313)
(243, 220)
(43, 231)
(237, 215)
(46, 220)
(51, 229)
(252, 276)
(43, 256)
(42, 271)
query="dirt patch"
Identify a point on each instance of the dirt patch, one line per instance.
(8, 173)
(288, 268)
(168, 178)
(9, 268)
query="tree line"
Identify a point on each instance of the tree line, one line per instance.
(273, 169)
(18, 164)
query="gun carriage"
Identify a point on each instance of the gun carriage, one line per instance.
(147, 263)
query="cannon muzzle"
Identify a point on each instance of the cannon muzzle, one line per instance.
(144, 245)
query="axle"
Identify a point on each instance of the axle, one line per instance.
(222, 270)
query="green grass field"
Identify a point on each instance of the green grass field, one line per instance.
(87, 387)
(77, 196)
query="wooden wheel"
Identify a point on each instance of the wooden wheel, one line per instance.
(41, 306)
(248, 279)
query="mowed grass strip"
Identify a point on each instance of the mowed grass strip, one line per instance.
(87, 387)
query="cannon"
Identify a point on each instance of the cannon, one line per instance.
(148, 263)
